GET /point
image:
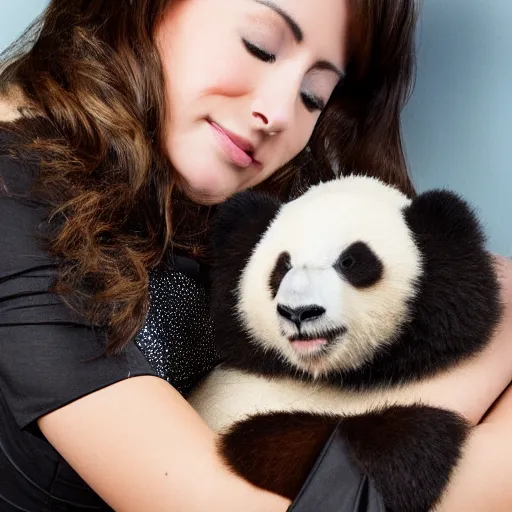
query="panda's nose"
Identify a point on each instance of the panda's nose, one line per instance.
(301, 314)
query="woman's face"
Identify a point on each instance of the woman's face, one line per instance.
(246, 81)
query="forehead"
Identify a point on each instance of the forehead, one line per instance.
(319, 225)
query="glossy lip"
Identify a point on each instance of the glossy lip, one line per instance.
(240, 152)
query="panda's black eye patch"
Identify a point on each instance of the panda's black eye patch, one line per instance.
(281, 268)
(359, 265)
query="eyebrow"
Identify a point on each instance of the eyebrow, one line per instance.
(292, 24)
(298, 35)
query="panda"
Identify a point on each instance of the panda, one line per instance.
(329, 311)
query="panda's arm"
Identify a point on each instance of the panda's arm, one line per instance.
(304, 457)
(406, 452)
(483, 479)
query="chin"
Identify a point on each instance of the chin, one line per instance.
(204, 198)
(211, 184)
(208, 192)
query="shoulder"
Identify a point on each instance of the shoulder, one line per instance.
(17, 163)
(19, 170)
(19, 166)
(24, 217)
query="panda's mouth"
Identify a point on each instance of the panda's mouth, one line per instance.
(315, 343)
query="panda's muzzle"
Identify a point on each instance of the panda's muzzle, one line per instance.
(301, 314)
(307, 329)
(306, 306)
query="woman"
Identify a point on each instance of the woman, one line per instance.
(122, 125)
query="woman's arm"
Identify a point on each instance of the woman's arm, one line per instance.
(483, 479)
(141, 447)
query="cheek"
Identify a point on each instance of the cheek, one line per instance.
(192, 77)
(283, 151)
(221, 81)
(204, 65)
(300, 135)
(218, 68)
(295, 139)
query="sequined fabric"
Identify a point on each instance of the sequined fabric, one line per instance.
(177, 335)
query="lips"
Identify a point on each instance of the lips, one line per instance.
(315, 343)
(308, 346)
(237, 149)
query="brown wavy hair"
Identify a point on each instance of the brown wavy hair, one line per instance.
(94, 111)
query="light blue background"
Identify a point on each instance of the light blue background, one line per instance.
(15, 15)
(458, 124)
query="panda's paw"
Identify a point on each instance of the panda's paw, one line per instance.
(277, 451)
(408, 451)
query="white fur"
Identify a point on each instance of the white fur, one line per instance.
(314, 230)
(226, 396)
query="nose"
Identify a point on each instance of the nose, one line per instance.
(269, 122)
(273, 110)
(301, 314)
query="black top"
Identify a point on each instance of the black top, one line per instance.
(50, 357)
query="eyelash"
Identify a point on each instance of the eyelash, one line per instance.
(257, 52)
(311, 102)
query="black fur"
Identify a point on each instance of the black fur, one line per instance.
(277, 451)
(457, 309)
(281, 268)
(359, 265)
(238, 225)
(409, 452)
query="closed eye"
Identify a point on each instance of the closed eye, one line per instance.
(310, 101)
(258, 52)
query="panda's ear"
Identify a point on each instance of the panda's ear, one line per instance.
(442, 219)
(460, 301)
(239, 223)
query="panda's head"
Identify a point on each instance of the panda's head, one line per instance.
(333, 280)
